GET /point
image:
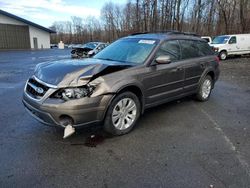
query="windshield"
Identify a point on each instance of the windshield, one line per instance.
(220, 40)
(129, 50)
(91, 45)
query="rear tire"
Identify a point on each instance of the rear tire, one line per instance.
(122, 114)
(205, 89)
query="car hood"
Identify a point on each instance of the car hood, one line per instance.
(65, 73)
(216, 45)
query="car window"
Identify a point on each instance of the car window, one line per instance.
(91, 45)
(220, 40)
(207, 39)
(204, 49)
(232, 40)
(102, 46)
(189, 49)
(170, 48)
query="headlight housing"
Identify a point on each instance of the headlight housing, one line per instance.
(74, 92)
(216, 49)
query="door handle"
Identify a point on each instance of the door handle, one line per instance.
(177, 69)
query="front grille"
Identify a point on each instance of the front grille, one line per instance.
(36, 89)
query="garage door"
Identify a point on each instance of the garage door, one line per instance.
(14, 37)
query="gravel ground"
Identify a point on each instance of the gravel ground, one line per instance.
(184, 143)
(237, 71)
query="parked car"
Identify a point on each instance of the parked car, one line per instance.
(71, 45)
(52, 46)
(207, 38)
(117, 85)
(87, 50)
(226, 45)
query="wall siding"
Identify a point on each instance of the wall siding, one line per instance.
(15, 37)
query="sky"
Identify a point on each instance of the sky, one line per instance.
(45, 12)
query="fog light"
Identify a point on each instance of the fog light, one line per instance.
(65, 120)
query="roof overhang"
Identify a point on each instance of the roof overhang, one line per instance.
(26, 21)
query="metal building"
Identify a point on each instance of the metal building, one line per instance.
(18, 33)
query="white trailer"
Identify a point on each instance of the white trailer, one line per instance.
(226, 45)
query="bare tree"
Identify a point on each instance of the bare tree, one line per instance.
(205, 17)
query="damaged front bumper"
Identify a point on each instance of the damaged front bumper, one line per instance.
(50, 111)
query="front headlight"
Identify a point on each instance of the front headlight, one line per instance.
(216, 49)
(74, 93)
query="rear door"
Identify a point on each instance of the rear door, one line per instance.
(195, 63)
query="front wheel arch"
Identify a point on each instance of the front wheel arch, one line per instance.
(108, 126)
(130, 88)
(137, 91)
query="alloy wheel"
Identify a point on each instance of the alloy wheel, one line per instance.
(206, 88)
(124, 113)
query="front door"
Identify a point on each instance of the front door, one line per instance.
(164, 81)
(233, 47)
(35, 43)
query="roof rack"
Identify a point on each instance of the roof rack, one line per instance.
(169, 32)
(138, 33)
(191, 33)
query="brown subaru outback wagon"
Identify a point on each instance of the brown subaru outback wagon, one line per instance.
(116, 85)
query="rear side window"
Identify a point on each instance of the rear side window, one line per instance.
(170, 48)
(204, 49)
(193, 49)
(189, 49)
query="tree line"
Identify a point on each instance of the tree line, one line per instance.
(204, 17)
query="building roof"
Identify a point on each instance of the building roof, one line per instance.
(26, 21)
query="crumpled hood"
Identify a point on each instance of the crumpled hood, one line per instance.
(66, 73)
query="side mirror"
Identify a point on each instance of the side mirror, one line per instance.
(163, 59)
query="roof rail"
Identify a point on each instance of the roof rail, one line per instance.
(138, 33)
(175, 32)
(191, 33)
(169, 32)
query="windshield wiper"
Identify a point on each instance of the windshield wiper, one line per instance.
(108, 59)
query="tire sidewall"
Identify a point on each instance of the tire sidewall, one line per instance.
(223, 53)
(108, 123)
(199, 95)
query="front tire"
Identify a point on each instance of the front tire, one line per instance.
(205, 89)
(223, 55)
(122, 114)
